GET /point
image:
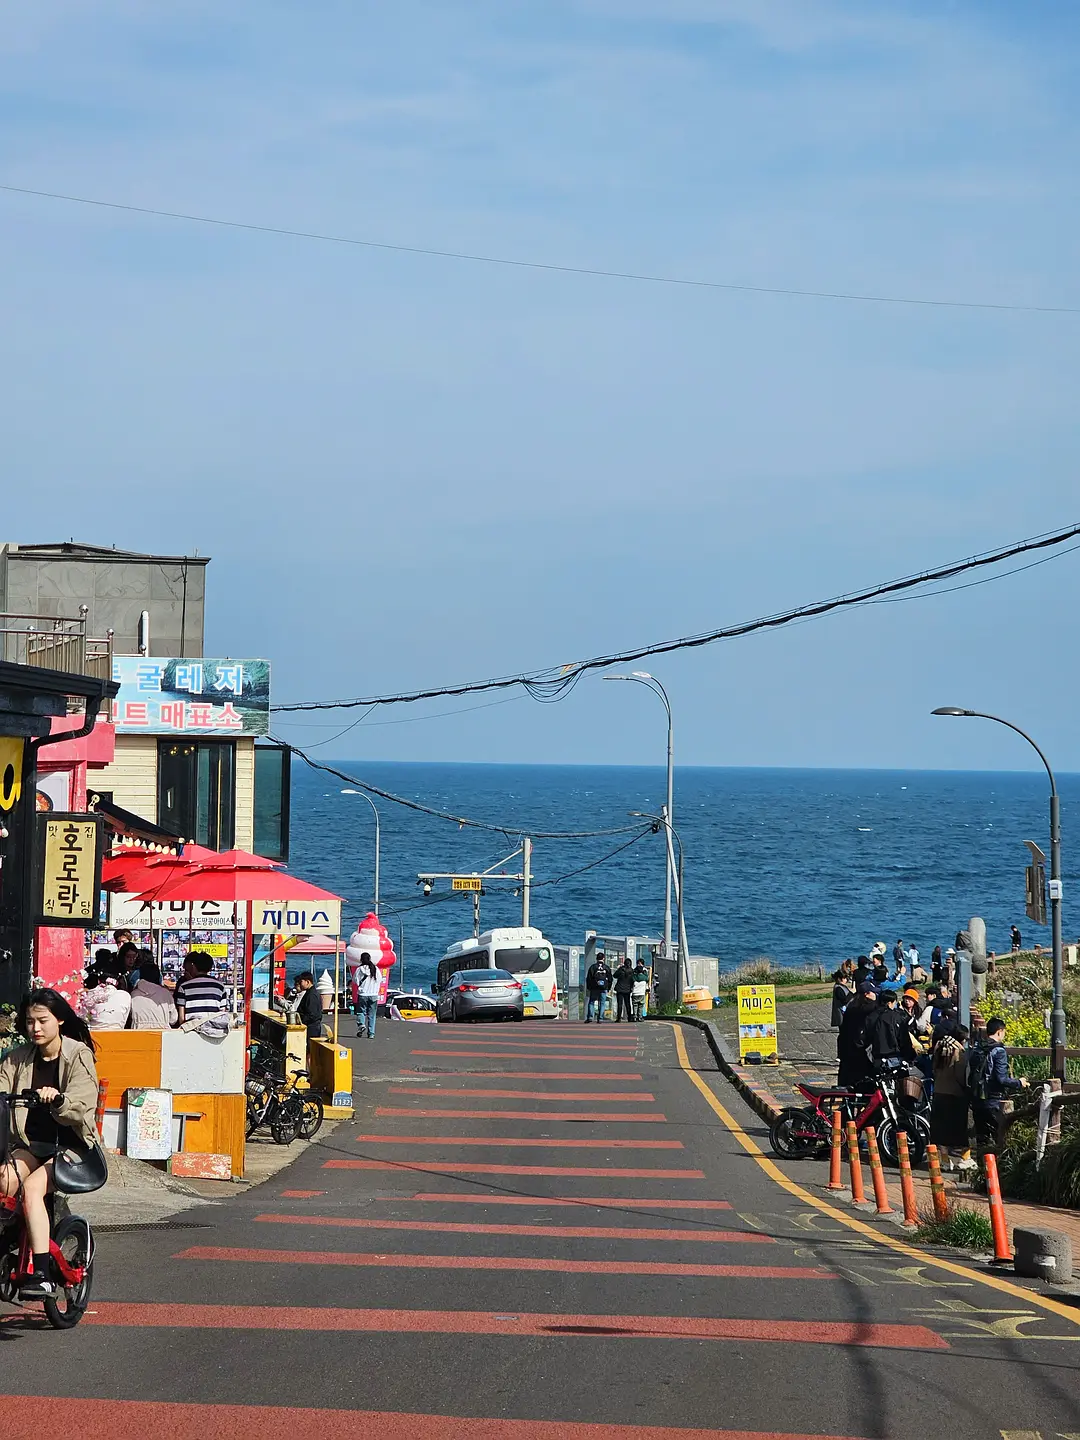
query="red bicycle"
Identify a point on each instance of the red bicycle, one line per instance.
(71, 1247)
(895, 1104)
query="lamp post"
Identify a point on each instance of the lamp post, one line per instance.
(642, 677)
(677, 876)
(1057, 1014)
(375, 906)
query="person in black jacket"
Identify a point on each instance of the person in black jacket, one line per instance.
(624, 986)
(843, 988)
(597, 985)
(854, 1072)
(990, 1084)
(888, 1035)
(309, 1010)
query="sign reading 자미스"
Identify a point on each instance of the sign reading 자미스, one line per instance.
(757, 1021)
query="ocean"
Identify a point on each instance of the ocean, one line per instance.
(800, 865)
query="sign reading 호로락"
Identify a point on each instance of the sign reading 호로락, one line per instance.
(202, 697)
(70, 851)
(757, 1021)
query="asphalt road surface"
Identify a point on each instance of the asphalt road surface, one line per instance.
(540, 1230)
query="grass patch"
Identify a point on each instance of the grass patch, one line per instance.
(963, 1228)
(763, 970)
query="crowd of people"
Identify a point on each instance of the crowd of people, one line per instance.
(628, 982)
(124, 989)
(893, 1016)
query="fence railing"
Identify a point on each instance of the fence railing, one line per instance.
(56, 642)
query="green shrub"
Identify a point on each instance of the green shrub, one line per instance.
(963, 1227)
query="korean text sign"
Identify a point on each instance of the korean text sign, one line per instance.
(70, 869)
(757, 1021)
(198, 697)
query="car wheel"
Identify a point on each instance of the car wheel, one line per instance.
(518, 1015)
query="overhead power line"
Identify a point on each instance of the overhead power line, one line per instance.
(557, 681)
(464, 821)
(597, 272)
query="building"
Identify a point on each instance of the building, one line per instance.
(111, 590)
(191, 749)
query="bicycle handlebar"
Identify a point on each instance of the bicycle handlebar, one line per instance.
(28, 1098)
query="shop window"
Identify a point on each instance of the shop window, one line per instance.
(273, 774)
(197, 790)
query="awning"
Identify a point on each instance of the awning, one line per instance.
(129, 826)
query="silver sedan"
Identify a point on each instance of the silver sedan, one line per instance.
(481, 995)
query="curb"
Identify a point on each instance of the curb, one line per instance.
(759, 1097)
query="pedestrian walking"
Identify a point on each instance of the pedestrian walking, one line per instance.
(990, 1084)
(949, 1107)
(368, 984)
(597, 985)
(624, 989)
(1017, 943)
(640, 993)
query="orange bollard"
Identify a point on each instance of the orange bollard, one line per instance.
(835, 1157)
(1002, 1253)
(937, 1185)
(858, 1194)
(907, 1184)
(99, 1112)
(877, 1174)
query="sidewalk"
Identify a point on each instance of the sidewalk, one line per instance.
(807, 1043)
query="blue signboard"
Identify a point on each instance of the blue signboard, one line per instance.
(203, 697)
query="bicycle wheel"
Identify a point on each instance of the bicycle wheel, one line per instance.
(918, 1137)
(794, 1135)
(287, 1118)
(67, 1308)
(312, 1118)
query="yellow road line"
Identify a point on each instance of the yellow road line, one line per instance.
(995, 1282)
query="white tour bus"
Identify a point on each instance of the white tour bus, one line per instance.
(523, 951)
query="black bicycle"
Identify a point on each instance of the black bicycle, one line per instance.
(287, 1111)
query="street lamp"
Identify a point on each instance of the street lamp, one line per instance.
(375, 812)
(669, 831)
(1057, 1014)
(642, 677)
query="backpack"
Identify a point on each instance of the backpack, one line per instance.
(980, 1071)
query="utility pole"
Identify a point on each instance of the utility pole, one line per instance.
(473, 884)
(476, 914)
(526, 878)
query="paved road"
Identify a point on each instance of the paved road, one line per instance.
(540, 1230)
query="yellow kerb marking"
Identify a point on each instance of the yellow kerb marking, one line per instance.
(995, 1282)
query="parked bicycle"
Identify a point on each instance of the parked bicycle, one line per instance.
(71, 1244)
(286, 1110)
(896, 1103)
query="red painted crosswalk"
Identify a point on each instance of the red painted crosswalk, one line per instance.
(93, 1419)
(562, 1232)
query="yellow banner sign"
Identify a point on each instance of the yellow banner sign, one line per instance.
(70, 869)
(757, 1021)
(466, 882)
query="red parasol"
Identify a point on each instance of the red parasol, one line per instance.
(212, 882)
(131, 870)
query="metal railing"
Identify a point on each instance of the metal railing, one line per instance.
(56, 642)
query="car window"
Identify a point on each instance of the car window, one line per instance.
(481, 977)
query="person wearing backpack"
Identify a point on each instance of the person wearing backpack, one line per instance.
(989, 1084)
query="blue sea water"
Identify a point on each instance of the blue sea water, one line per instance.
(800, 865)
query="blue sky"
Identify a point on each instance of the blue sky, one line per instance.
(413, 470)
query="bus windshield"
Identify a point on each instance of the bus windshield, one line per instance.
(525, 960)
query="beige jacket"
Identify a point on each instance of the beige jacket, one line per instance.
(78, 1086)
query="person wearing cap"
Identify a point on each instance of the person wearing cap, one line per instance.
(949, 976)
(887, 1034)
(854, 1071)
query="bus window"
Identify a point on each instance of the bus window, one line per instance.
(526, 960)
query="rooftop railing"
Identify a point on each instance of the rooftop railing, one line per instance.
(56, 642)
